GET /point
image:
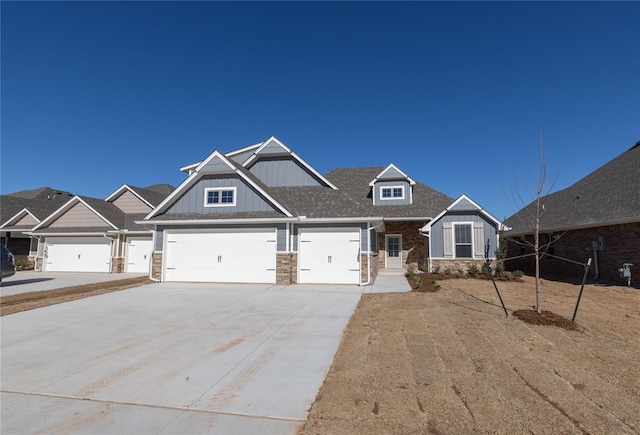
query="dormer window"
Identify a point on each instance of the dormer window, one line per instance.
(392, 192)
(220, 197)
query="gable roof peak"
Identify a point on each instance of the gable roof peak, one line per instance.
(388, 168)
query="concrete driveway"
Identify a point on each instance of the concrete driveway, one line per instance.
(172, 358)
(26, 281)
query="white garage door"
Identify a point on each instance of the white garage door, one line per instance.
(221, 256)
(329, 256)
(78, 254)
(139, 254)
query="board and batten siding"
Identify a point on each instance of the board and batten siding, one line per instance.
(282, 172)
(129, 203)
(78, 216)
(488, 231)
(363, 233)
(247, 198)
(240, 158)
(281, 236)
(377, 187)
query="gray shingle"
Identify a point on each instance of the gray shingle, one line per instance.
(611, 193)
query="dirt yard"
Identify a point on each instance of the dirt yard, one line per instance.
(450, 362)
(28, 301)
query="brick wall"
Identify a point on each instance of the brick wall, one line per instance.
(156, 266)
(117, 265)
(286, 268)
(39, 263)
(413, 243)
(375, 263)
(623, 246)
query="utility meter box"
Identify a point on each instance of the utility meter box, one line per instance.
(625, 272)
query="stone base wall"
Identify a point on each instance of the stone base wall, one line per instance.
(117, 265)
(622, 246)
(39, 263)
(286, 268)
(455, 265)
(365, 265)
(156, 266)
(414, 245)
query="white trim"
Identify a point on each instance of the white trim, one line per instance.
(92, 234)
(65, 207)
(259, 220)
(392, 166)
(20, 214)
(220, 203)
(500, 225)
(195, 176)
(453, 236)
(382, 198)
(294, 155)
(242, 150)
(189, 168)
(120, 190)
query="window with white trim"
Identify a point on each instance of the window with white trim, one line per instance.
(463, 240)
(392, 192)
(220, 197)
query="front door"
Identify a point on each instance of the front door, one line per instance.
(394, 252)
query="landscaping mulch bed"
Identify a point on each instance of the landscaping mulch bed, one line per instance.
(544, 318)
(28, 301)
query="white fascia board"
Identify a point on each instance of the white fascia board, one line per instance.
(189, 168)
(500, 225)
(219, 221)
(60, 234)
(121, 190)
(419, 218)
(242, 150)
(188, 182)
(129, 232)
(294, 155)
(392, 166)
(16, 217)
(340, 220)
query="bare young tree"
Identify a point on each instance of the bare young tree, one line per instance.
(531, 213)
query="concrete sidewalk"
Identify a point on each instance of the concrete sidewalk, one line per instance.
(172, 358)
(26, 281)
(389, 282)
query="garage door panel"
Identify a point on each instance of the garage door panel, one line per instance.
(72, 254)
(331, 257)
(221, 257)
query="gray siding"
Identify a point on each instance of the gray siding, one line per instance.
(464, 205)
(281, 232)
(391, 173)
(437, 237)
(27, 220)
(247, 198)
(78, 216)
(272, 147)
(282, 172)
(129, 203)
(240, 158)
(216, 165)
(363, 233)
(377, 190)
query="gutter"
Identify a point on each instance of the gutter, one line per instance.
(299, 219)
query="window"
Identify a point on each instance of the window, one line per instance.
(393, 192)
(463, 241)
(220, 197)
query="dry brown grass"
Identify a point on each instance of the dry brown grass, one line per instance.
(28, 301)
(451, 362)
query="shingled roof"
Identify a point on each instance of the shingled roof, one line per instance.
(40, 202)
(354, 184)
(609, 195)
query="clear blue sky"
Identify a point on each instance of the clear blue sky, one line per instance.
(98, 94)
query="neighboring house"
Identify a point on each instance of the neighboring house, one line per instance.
(94, 235)
(597, 217)
(263, 214)
(22, 211)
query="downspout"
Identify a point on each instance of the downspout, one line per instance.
(426, 234)
(595, 260)
(153, 242)
(112, 253)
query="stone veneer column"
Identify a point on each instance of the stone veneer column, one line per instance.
(156, 266)
(286, 268)
(117, 265)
